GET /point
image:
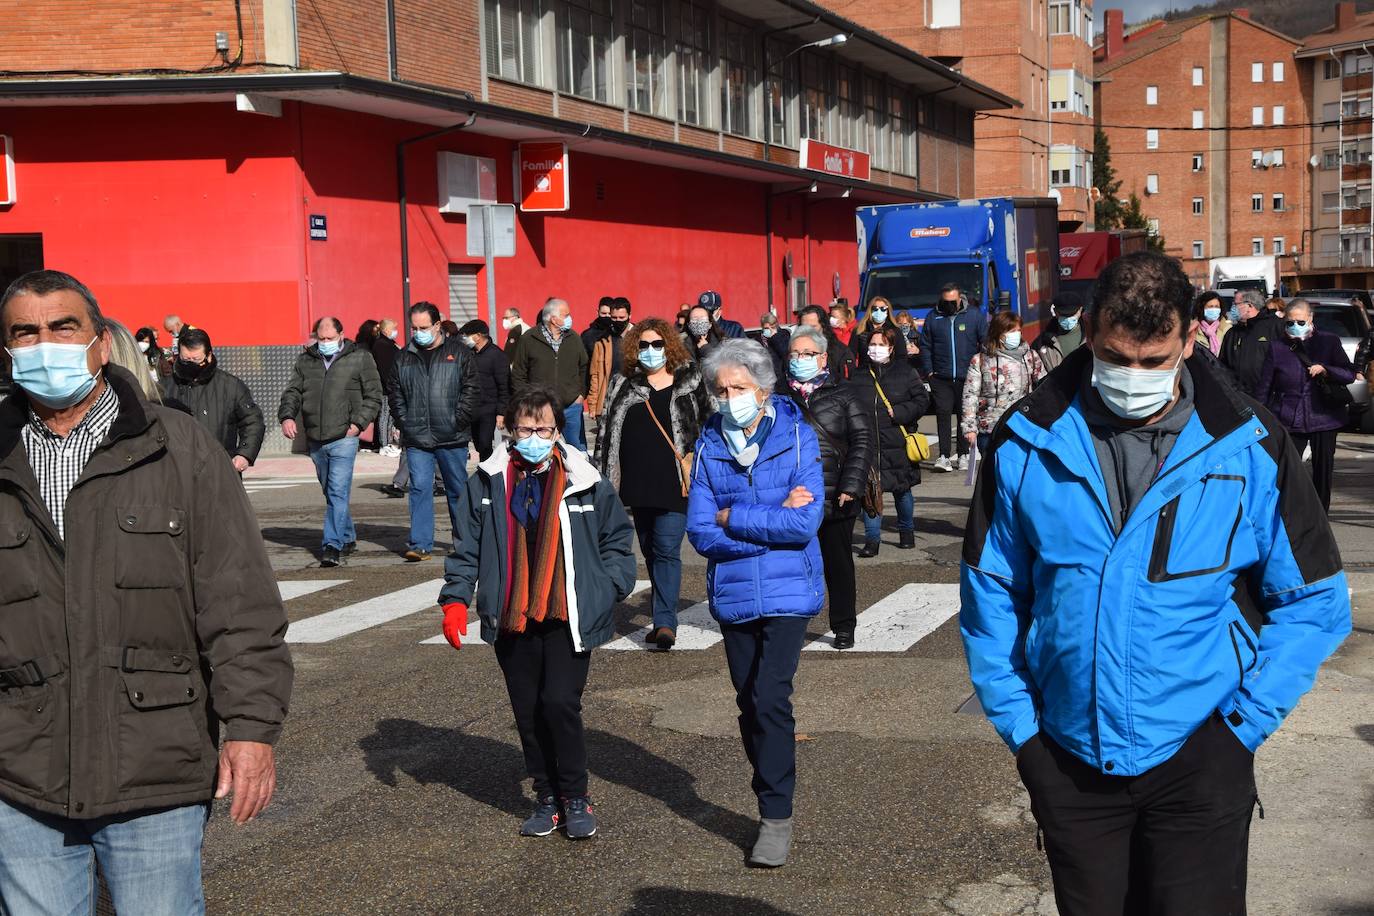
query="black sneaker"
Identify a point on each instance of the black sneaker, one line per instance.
(870, 549)
(579, 819)
(544, 820)
(393, 492)
(350, 548)
(330, 557)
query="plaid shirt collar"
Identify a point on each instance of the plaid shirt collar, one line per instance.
(94, 425)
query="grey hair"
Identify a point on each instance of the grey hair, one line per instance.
(767, 319)
(1251, 298)
(1297, 304)
(549, 308)
(47, 282)
(815, 335)
(746, 354)
(125, 354)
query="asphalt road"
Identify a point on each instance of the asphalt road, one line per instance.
(400, 777)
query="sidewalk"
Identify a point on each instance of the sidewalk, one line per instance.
(369, 464)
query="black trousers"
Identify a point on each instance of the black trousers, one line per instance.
(484, 435)
(948, 398)
(545, 680)
(1323, 460)
(1172, 841)
(837, 559)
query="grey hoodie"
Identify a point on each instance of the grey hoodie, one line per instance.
(1130, 456)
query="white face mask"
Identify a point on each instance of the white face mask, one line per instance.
(507, 323)
(879, 354)
(143, 346)
(1011, 340)
(1134, 394)
(834, 322)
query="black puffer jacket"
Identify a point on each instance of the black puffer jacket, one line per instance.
(1246, 346)
(910, 400)
(349, 392)
(222, 404)
(433, 403)
(493, 381)
(848, 442)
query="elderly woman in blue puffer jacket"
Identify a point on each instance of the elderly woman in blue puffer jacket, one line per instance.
(756, 503)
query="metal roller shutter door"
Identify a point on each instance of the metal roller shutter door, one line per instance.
(462, 293)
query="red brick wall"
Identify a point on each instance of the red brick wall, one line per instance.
(437, 43)
(343, 35)
(112, 35)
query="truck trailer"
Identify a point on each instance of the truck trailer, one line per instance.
(1084, 255)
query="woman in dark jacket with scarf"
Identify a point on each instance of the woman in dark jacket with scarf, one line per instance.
(702, 334)
(848, 449)
(652, 416)
(842, 360)
(1290, 386)
(893, 395)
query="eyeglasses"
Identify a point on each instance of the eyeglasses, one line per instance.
(805, 353)
(544, 432)
(655, 344)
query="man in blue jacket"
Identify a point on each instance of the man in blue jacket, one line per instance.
(1149, 585)
(951, 335)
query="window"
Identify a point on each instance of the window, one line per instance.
(739, 78)
(694, 64)
(1356, 62)
(1197, 76)
(1151, 95)
(1257, 72)
(1331, 69)
(780, 91)
(1256, 203)
(816, 100)
(1152, 226)
(1257, 116)
(944, 14)
(851, 109)
(1152, 183)
(1330, 158)
(1197, 119)
(1151, 138)
(1257, 246)
(1331, 201)
(1278, 244)
(1197, 250)
(1278, 115)
(1197, 162)
(1060, 178)
(1061, 18)
(1256, 158)
(1277, 202)
(584, 48)
(513, 40)
(646, 47)
(875, 111)
(1197, 206)
(1278, 157)
(899, 133)
(1277, 72)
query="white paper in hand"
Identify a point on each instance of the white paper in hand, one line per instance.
(972, 465)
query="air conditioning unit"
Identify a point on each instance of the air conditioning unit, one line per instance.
(465, 180)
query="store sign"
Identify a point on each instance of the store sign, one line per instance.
(319, 227)
(834, 160)
(541, 174)
(8, 193)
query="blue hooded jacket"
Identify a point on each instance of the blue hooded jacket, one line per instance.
(1222, 593)
(766, 562)
(949, 342)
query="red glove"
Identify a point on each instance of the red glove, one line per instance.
(455, 623)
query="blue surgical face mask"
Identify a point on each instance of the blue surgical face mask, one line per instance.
(567, 323)
(1298, 328)
(1211, 313)
(55, 375)
(1134, 394)
(534, 449)
(1233, 315)
(1068, 322)
(769, 332)
(423, 336)
(803, 368)
(329, 347)
(1011, 340)
(879, 316)
(741, 410)
(652, 359)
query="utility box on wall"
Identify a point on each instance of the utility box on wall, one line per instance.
(465, 180)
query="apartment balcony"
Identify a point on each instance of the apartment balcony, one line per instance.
(1333, 260)
(1357, 82)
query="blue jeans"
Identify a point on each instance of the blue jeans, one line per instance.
(150, 860)
(572, 427)
(334, 467)
(453, 466)
(906, 516)
(660, 541)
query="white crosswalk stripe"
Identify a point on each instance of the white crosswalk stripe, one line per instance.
(260, 484)
(474, 637)
(899, 621)
(303, 587)
(365, 614)
(696, 629)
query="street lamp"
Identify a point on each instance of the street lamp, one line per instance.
(837, 39)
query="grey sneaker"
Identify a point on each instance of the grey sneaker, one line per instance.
(581, 822)
(942, 464)
(544, 820)
(773, 844)
(962, 463)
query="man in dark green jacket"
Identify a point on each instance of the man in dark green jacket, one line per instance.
(336, 391)
(551, 355)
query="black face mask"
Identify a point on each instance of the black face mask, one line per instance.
(189, 370)
(603, 323)
(948, 308)
(618, 327)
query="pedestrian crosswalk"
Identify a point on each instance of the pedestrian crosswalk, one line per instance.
(893, 624)
(263, 484)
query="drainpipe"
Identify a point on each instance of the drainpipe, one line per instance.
(391, 40)
(402, 200)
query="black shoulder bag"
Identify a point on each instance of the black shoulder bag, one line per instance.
(1332, 392)
(871, 499)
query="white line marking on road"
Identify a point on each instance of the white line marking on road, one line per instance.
(302, 587)
(902, 619)
(474, 636)
(696, 629)
(355, 617)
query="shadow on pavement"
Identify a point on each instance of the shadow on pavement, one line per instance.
(392, 537)
(1366, 734)
(655, 901)
(492, 772)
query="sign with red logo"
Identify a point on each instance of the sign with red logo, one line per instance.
(931, 232)
(541, 175)
(834, 160)
(8, 193)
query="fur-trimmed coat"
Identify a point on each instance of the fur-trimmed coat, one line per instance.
(691, 406)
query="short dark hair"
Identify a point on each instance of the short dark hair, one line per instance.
(1067, 303)
(1204, 299)
(426, 308)
(607, 301)
(951, 288)
(475, 326)
(530, 400)
(1146, 294)
(193, 338)
(146, 333)
(620, 302)
(46, 282)
(338, 325)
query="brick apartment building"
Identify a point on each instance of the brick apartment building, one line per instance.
(252, 164)
(1337, 64)
(1034, 51)
(1206, 119)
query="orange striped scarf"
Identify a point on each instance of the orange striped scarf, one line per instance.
(536, 567)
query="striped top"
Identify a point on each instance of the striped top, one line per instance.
(58, 461)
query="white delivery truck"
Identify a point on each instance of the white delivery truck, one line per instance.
(1259, 272)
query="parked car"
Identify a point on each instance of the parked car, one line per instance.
(1347, 319)
(1357, 295)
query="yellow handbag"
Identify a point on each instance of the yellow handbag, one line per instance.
(917, 445)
